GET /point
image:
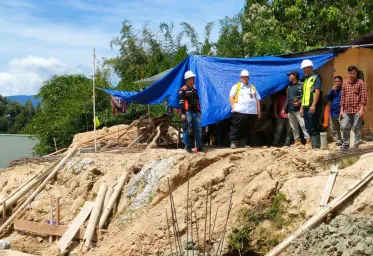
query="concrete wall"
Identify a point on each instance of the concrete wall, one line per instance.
(363, 59)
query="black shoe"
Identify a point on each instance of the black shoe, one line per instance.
(344, 149)
(201, 149)
(188, 149)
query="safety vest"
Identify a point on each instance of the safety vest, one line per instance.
(308, 91)
(239, 89)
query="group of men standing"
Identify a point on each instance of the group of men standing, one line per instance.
(299, 106)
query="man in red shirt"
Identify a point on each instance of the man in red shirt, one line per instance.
(353, 100)
(282, 119)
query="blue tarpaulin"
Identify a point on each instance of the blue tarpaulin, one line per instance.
(215, 78)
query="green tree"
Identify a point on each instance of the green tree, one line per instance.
(61, 114)
(230, 43)
(309, 24)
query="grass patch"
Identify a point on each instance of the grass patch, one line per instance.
(346, 162)
(239, 240)
(261, 228)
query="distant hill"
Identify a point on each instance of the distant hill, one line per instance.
(23, 98)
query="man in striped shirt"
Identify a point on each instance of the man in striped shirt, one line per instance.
(353, 100)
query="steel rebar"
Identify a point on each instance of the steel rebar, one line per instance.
(169, 235)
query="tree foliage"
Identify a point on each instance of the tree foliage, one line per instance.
(14, 116)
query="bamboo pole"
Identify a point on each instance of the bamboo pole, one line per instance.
(154, 143)
(108, 194)
(58, 151)
(318, 217)
(55, 144)
(111, 143)
(22, 186)
(94, 218)
(137, 139)
(40, 188)
(112, 200)
(4, 210)
(94, 99)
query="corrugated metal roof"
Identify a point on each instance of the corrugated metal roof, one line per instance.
(340, 48)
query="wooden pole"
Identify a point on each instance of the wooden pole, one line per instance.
(94, 99)
(51, 221)
(58, 212)
(95, 216)
(55, 144)
(4, 210)
(112, 200)
(318, 217)
(40, 188)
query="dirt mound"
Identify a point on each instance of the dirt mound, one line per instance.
(346, 235)
(276, 190)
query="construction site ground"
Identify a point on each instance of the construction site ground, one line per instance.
(291, 179)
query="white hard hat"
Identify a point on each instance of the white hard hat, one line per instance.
(306, 63)
(189, 74)
(245, 73)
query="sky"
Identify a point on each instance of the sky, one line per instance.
(41, 38)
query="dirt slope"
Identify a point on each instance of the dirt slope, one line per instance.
(139, 225)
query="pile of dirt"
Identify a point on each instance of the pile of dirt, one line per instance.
(279, 188)
(105, 135)
(346, 235)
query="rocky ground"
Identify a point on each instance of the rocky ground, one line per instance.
(346, 235)
(276, 190)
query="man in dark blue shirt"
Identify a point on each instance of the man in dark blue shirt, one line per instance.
(334, 97)
(292, 107)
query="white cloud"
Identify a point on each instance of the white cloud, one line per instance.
(26, 75)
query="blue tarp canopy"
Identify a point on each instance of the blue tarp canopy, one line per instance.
(215, 78)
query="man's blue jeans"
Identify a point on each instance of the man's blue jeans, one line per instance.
(312, 121)
(192, 122)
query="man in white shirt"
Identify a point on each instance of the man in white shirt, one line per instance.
(245, 103)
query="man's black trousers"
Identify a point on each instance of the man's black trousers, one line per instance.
(242, 126)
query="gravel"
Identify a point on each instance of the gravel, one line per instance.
(346, 235)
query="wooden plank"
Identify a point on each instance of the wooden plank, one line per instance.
(329, 186)
(13, 253)
(46, 229)
(75, 225)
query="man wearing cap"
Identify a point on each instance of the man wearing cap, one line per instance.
(311, 102)
(190, 111)
(245, 104)
(292, 107)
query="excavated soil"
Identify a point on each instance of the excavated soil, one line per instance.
(138, 226)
